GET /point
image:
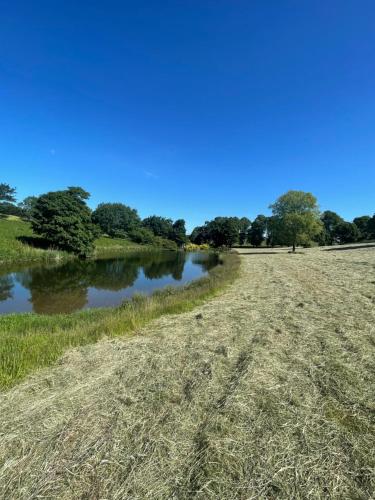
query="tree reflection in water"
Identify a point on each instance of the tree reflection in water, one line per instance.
(6, 285)
(64, 288)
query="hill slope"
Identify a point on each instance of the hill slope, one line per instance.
(19, 243)
(264, 392)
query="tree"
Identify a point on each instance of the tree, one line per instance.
(330, 220)
(200, 235)
(178, 232)
(347, 232)
(243, 228)
(116, 219)
(362, 224)
(7, 200)
(27, 206)
(160, 226)
(371, 227)
(64, 220)
(257, 230)
(7, 193)
(297, 214)
(223, 231)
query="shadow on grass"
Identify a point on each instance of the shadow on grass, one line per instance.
(34, 241)
(352, 247)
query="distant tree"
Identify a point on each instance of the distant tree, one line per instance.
(362, 223)
(242, 237)
(116, 219)
(200, 235)
(178, 234)
(371, 227)
(330, 220)
(257, 231)
(64, 220)
(7, 193)
(297, 215)
(243, 228)
(273, 231)
(347, 232)
(27, 206)
(7, 208)
(223, 231)
(160, 226)
(7, 200)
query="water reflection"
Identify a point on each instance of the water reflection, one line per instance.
(75, 285)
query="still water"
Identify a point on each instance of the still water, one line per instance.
(68, 287)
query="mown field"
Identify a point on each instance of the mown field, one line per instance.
(265, 391)
(18, 243)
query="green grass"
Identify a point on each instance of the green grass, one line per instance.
(30, 341)
(14, 234)
(12, 249)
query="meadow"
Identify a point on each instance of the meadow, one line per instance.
(264, 391)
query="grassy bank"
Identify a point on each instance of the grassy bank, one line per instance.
(18, 243)
(29, 341)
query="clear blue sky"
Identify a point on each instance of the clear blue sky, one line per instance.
(190, 108)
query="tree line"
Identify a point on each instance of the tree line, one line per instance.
(295, 220)
(65, 221)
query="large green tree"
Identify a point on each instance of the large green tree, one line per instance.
(347, 232)
(63, 219)
(362, 223)
(199, 235)
(330, 221)
(243, 228)
(223, 231)
(297, 217)
(257, 231)
(371, 227)
(160, 226)
(116, 219)
(178, 234)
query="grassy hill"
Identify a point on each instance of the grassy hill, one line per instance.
(19, 243)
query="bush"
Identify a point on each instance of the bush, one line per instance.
(164, 243)
(142, 236)
(193, 247)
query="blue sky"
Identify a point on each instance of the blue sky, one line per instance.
(190, 109)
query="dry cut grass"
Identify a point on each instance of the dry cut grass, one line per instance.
(266, 391)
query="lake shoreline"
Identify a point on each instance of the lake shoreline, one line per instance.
(31, 341)
(69, 286)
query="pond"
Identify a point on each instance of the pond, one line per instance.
(75, 285)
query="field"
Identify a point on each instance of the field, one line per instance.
(18, 243)
(265, 391)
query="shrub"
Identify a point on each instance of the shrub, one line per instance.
(142, 236)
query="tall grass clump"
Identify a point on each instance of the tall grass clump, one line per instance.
(18, 243)
(31, 341)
